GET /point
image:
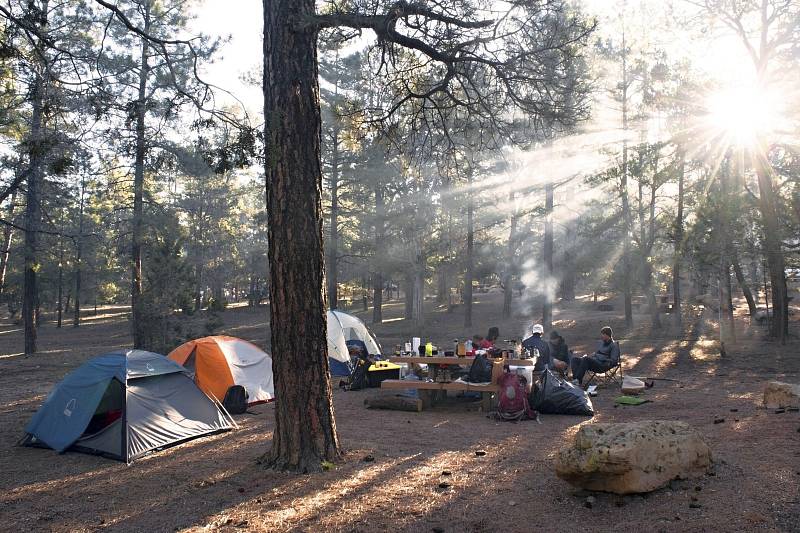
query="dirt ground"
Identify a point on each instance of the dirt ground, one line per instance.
(215, 483)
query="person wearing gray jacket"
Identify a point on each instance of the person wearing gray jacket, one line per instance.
(603, 359)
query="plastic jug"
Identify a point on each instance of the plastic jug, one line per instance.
(429, 349)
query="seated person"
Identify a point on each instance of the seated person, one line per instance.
(490, 339)
(535, 341)
(603, 359)
(559, 353)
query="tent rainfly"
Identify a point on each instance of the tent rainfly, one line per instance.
(219, 362)
(342, 328)
(124, 405)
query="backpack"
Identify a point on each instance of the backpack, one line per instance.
(513, 399)
(480, 371)
(235, 401)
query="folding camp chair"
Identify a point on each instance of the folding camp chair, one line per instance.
(612, 375)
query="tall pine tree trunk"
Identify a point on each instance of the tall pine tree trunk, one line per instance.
(650, 234)
(332, 267)
(748, 294)
(305, 429)
(60, 309)
(678, 248)
(767, 202)
(6, 251)
(511, 254)
(137, 303)
(37, 152)
(76, 316)
(623, 192)
(469, 273)
(377, 278)
(726, 326)
(547, 309)
(419, 295)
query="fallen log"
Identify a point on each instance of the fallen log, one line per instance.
(395, 403)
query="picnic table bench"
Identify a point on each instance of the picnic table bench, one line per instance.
(429, 390)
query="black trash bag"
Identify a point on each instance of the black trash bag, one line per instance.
(555, 396)
(480, 371)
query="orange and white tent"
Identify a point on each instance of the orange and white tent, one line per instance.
(219, 362)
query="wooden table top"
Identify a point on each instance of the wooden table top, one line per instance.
(463, 361)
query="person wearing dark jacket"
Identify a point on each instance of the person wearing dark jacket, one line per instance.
(559, 352)
(536, 341)
(603, 359)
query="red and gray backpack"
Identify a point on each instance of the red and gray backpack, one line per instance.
(513, 399)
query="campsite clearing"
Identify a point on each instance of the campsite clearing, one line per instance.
(215, 483)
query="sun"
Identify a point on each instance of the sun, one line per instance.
(742, 114)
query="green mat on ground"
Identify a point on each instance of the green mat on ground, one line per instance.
(630, 400)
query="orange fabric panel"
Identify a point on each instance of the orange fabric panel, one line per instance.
(181, 353)
(212, 374)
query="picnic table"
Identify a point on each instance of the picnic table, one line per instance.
(430, 390)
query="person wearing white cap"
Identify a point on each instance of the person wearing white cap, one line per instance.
(536, 341)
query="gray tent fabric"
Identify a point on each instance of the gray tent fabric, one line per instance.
(167, 409)
(124, 404)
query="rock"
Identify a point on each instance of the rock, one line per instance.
(634, 457)
(480, 453)
(779, 394)
(695, 505)
(631, 385)
(446, 472)
(444, 485)
(589, 502)
(368, 458)
(438, 530)
(719, 420)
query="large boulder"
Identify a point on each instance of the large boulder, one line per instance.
(779, 394)
(633, 457)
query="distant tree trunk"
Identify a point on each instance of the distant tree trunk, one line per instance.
(650, 234)
(678, 248)
(60, 285)
(748, 294)
(567, 285)
(623, 192)
(36, 153)
(468, 275)
(251, 298)
(137, 303)
(76, 316)
(441, 284)
(767, 202)
(332, 267)
(511, 255)
(408, 289)
(726, 326)
(305, 429)
(198, 290)
(7, 236)
(377, 278)
(547, 309)
(419, 295)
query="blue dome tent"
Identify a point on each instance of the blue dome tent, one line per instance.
(124, 405)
